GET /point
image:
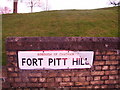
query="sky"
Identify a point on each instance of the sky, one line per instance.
(23, 7)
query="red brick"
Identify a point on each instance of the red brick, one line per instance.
(58, 79)
(82, 87)
(15, 85)
(118, 57)
(74, 79)
(14, 63)
(104, 52)
(42, 79)
(111, 81)
(46, 85)
(66, 74)
(10, 69)
(97, 53)
(26, 79)
(33, 79)
(106, 57)
(118, 67)
(111, 72)
(111, 86)
(87, 73)
(35, 75)
(66, 79)
(98, 67)
(96, 87)
(5, 86)
(16, 69)
(49, 85)
(81, 78)
(52, 74)
(113, 77)
(13, 74)
(97, 73)
(117, 76)
(11, 80)
(11, 53)
(50, 80)
(89, 78)
(34, 85)
(111, 52)
(98, 57)
(112, 67)
(99, 62)
(111, 62)
(81, 83)
(97, 82)
(97, 78)
(104, 86)
(104, 77)
(66, 84)
(105, 67)
(112, 57)
(117, 86)
(89, 87)
(18, 80)
(10, 58)
(22, 89)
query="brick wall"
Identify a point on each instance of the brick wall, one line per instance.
(103, 74)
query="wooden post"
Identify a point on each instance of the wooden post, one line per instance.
(15, 6)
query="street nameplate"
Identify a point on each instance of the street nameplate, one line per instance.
(55, 59)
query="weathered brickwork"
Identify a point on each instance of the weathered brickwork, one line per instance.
(103, 74)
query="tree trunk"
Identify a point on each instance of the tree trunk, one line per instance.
(31, 9)
(15, 2)
(31, 6)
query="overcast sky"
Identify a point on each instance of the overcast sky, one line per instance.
(58, 5)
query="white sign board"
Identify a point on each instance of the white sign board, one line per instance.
(55, 59)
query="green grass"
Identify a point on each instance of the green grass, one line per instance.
(70, 23)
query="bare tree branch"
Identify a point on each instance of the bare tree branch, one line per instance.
(115, 2)
(4, 10)
(34, 3)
